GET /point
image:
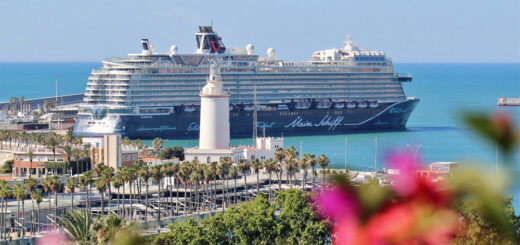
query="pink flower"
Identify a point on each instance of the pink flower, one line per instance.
(405, 182)
(337, 203)
(53, 238)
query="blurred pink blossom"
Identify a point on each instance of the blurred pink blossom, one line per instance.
(405, 182)
(53, 238)
(336, 202)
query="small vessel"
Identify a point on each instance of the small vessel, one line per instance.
(189, 108)
(362, 104)
(373, 104)
(249, 107)
(351, 105)
(302, 105)
(323, 104)
(282, 107)
(508, 101)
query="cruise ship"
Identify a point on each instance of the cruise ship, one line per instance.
(150, 94)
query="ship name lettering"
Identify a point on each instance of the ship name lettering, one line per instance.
(299, 123)
(328, 121)
(396, 110)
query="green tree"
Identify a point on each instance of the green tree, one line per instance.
(70, 185)
(296, 214)
(477, 229)
(323, 161)
(172, 152)
(30, 184)
(7, 167)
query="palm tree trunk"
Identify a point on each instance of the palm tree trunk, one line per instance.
(312, 177)
(235, 190)
(269, 186)
(56, 204)
(38, 225)
(23, 217)
(159, 203)
(124, 210)
(32, 214)
(102, 204)
(131, 201)
(146, 211)
(118, 201)
(177, 196)
(323, 176)
(258, 182)
(171, 192)
(18, 212)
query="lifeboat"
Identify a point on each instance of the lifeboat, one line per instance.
(373, 104)
(231, 107)
(302, 105)
(362, 104)
(339, 105)
(323, 104)
(249, 107)
(189, 108)
(351, 105)
(282, 107)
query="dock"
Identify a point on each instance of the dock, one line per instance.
(508, 101)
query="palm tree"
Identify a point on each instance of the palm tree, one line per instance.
(108, 173)
(212, 174)
(117, 182)
(308, 160)
(244, 167)
(323, 161)
(78, 225)
(47, 186)
(67, 151)
(71, 188)
(234, 174)
(175, 171)
(256, 165)
(223, 171)
(144, 173)
(56, 187)
(53, 142)
(37, 195)
(157, 143)
(30, 154)
(5, 193)
(157, 175)
(269, 166)
(77, 155)
(101, 186)
(20, 195)
(85, 179)
(30, 184)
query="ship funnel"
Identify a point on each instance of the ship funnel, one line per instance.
(146, 46)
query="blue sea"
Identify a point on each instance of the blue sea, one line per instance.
(435, 130)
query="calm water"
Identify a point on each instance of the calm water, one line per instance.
(435, 128)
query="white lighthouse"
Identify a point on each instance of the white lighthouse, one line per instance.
(214, 128)
(214, 112)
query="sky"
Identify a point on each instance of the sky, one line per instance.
(408, 31)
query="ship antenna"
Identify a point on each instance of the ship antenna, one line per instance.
(254, 117)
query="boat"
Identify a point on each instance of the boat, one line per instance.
(351, 105)
(249, 107)
(323, 104)
(373, 104)
(282, 107)
(302, 105)
(189, 108)
(362, 104)
(339, 105)
(152, 94)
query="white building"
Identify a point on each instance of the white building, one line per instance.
(214, 128)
